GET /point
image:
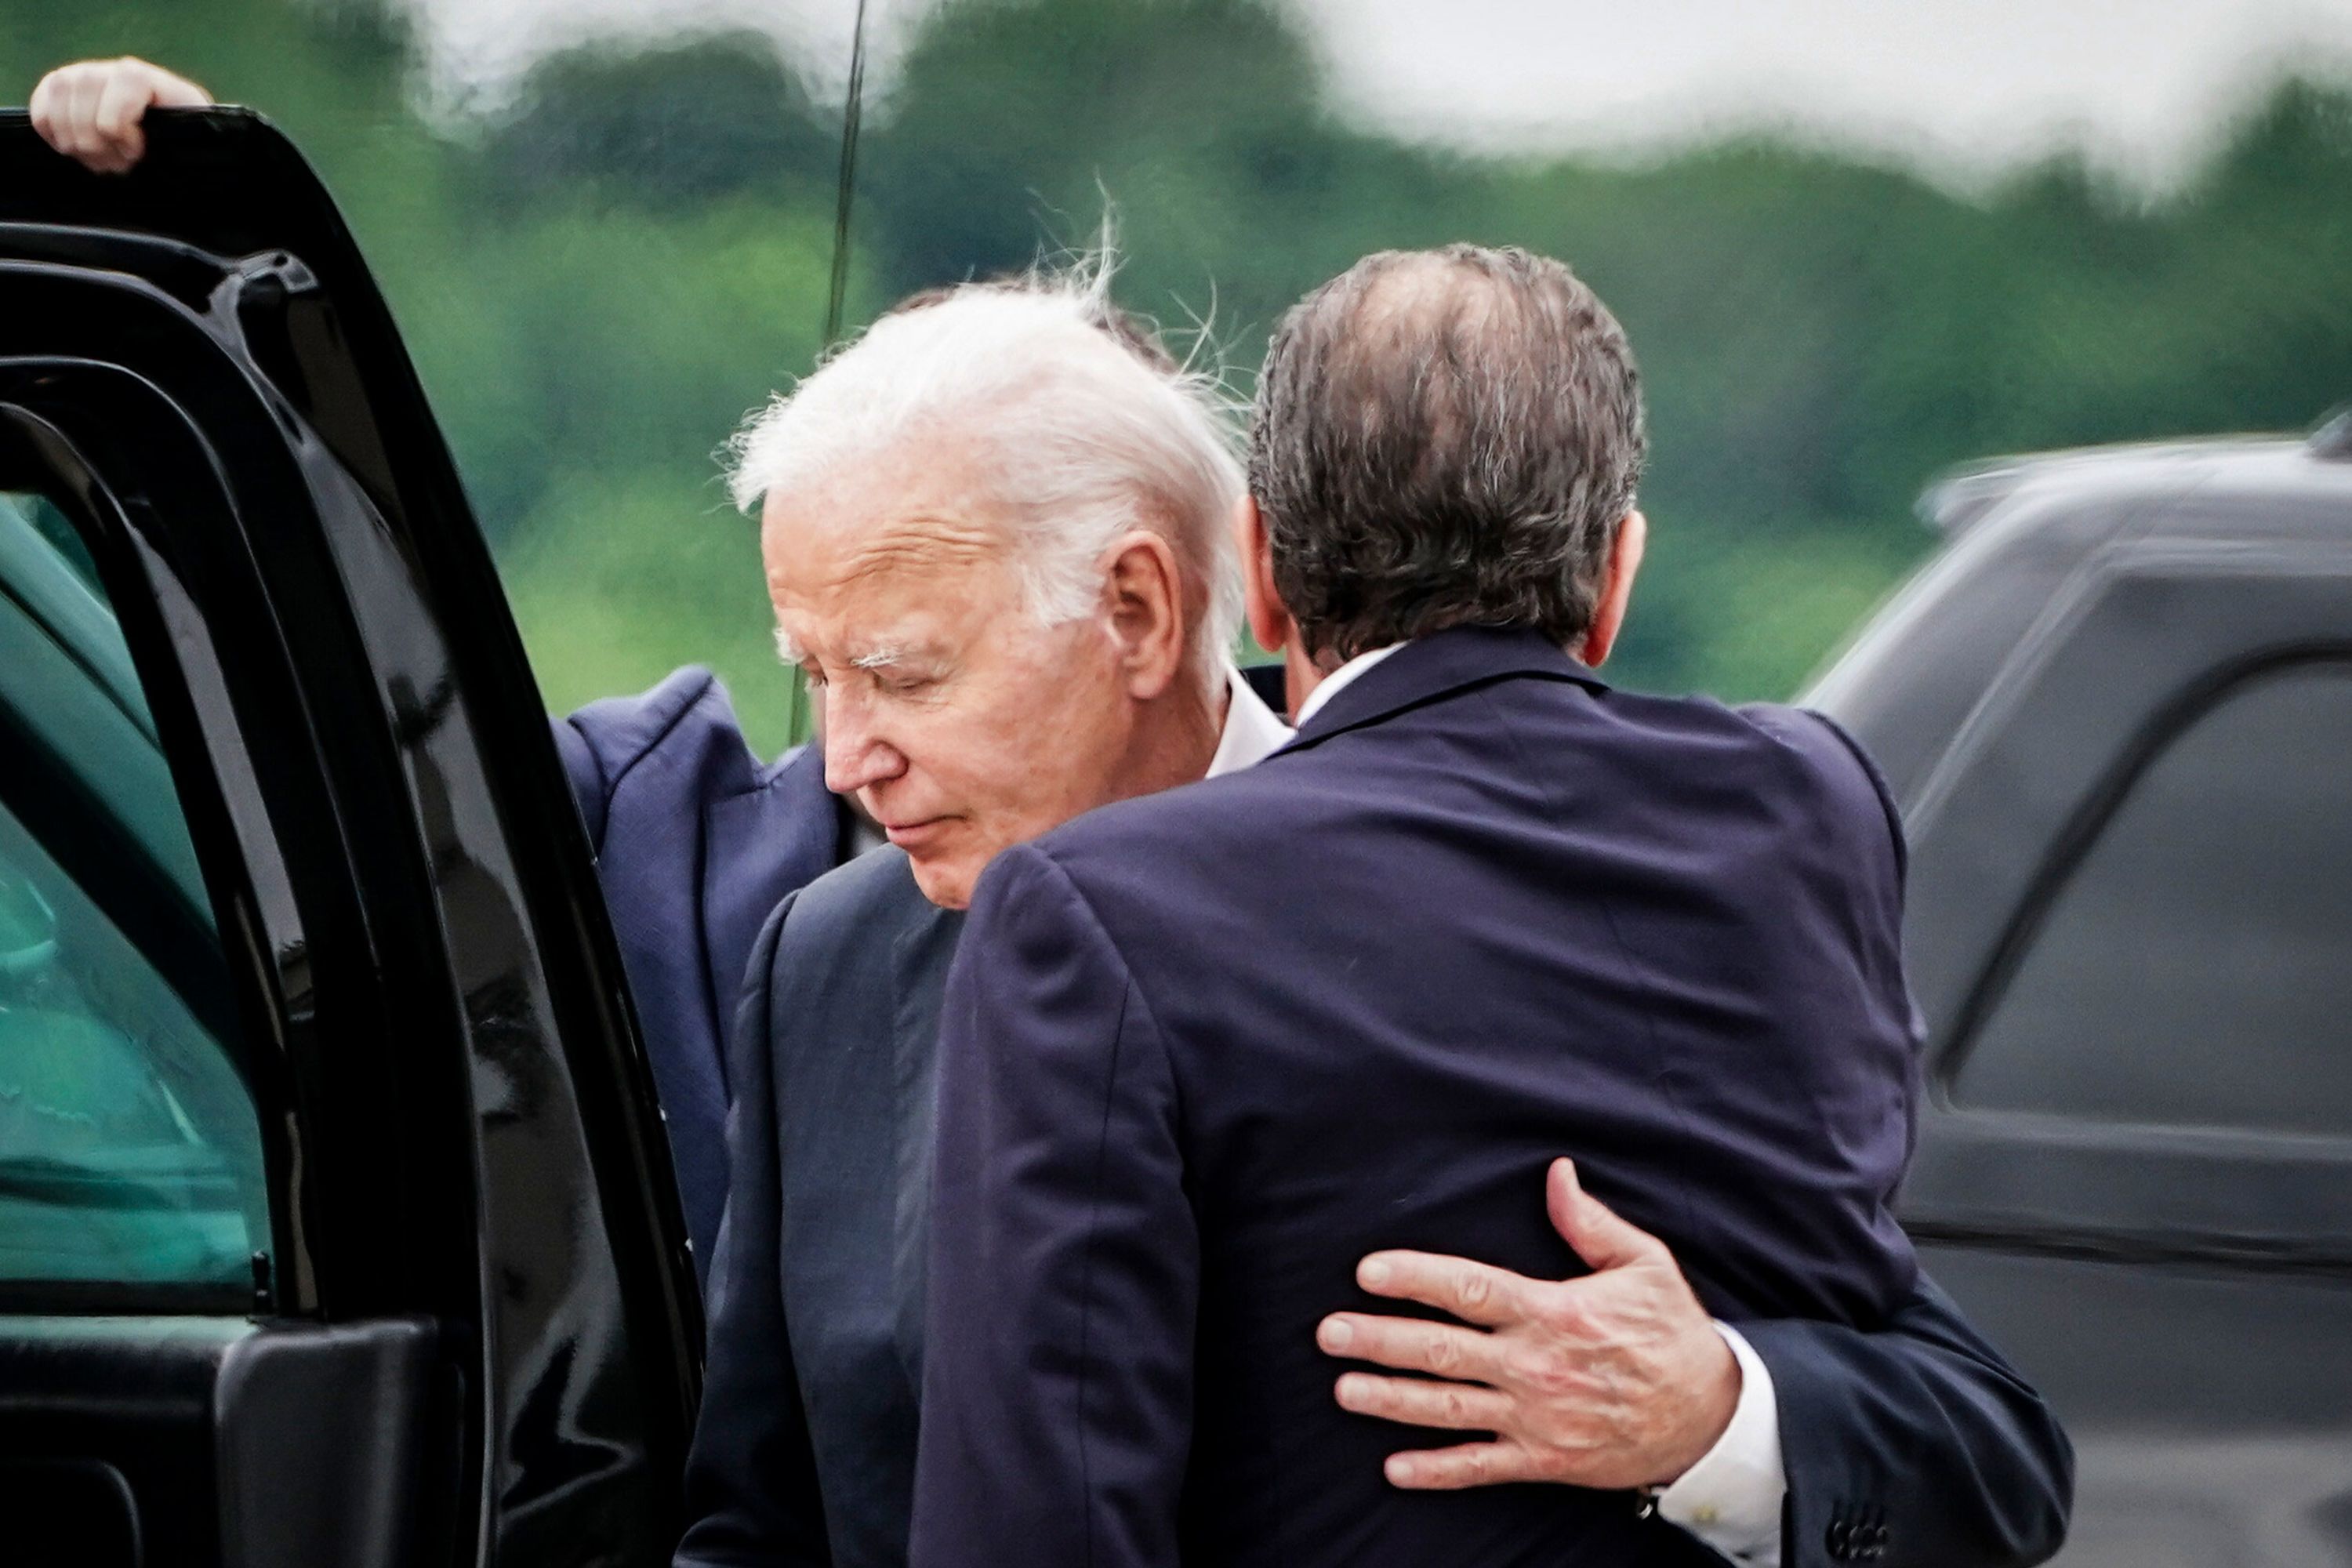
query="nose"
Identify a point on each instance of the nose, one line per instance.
(856, 756)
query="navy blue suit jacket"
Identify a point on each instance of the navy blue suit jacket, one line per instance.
(696, 841)
(805, 1452)
(1202, 1051)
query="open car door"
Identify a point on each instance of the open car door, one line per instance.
(336, 1221)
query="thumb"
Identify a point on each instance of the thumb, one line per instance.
(175, 91)
(1591, 1227)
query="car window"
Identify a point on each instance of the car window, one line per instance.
(130, 1147)
(2195, 968)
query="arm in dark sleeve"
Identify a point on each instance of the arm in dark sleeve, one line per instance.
(1920, 1437)
(1064, 1264)
(751, 1494)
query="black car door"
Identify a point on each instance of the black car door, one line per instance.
(336, 1223)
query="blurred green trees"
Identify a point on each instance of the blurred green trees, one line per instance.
(598, 279)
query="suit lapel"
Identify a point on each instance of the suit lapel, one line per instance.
(920, 955)
(781, 834)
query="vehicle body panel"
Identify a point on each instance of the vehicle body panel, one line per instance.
(472, 1214)
(2177, 1285)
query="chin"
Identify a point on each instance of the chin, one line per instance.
(947, 883)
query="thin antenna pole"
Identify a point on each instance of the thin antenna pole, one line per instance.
(851, 112)
(797, 716)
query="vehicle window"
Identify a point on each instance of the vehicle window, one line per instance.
(130, 1147)
(2195, 969)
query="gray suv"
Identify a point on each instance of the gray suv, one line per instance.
(2116, 708)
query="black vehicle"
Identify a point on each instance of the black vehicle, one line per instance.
(336, 1222)
(2118, 712)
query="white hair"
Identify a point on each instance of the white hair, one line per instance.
(1090, 430)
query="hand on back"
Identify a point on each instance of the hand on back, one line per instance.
(90, 110)
(1614, 1379)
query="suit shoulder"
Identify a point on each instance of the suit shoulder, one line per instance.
(689, 708)
(1843, 771)
(1824, 746)
(1267, 794)
(1127, 861)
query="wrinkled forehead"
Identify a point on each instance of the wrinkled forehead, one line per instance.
(872, 565)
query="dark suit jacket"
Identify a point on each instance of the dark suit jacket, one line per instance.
(695, 839)
(805, 1450)
(1204, 1050)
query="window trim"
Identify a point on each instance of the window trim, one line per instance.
(150, 604)
(2084, 826)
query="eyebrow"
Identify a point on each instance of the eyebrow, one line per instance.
(882, 658)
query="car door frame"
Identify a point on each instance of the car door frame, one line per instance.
(469, 1145)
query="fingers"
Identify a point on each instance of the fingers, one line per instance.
(1466, 1464)
(96, 149)
(1417, 1402)
(1412, 1345)
(65, 112)
(122, 97)
(171, 91)
(1592, 1228)
(92, 110)
(52, 109)
(38, 107)
(1475, 1292)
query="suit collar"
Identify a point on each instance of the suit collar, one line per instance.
(758, 844)
(1436, 666)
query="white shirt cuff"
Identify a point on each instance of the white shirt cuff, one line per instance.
(1731, 1498)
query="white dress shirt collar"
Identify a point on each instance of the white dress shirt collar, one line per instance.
(1252, 731)
(1333, 682)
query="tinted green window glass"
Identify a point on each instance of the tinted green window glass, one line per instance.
(129, 1149)
(2196, 968)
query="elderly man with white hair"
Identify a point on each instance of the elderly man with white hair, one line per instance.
(996, 538)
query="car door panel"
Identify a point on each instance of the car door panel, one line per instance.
(105, 1438)
(293, 1388)
(477, 1333)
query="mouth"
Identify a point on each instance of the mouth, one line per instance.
(911, 834)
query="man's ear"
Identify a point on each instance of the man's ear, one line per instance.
(1269, 618)
(1616, 589)
(1143, 595)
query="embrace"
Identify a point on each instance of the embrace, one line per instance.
(1456, 1122)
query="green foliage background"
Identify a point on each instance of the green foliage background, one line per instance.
(598, 281)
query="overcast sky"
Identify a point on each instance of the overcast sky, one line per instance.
(1965, 87)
